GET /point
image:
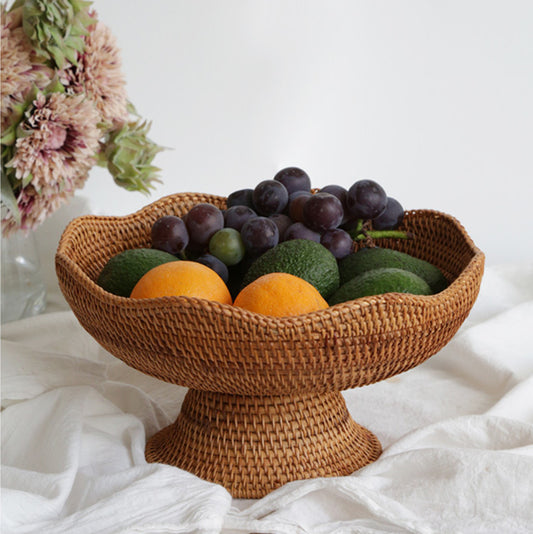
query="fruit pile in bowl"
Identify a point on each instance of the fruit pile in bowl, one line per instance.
(279, 228)
(266, 305)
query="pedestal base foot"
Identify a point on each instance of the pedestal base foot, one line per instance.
(253, 445)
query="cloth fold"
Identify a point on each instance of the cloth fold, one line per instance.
(456, 431)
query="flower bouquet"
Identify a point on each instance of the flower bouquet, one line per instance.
(64, 109)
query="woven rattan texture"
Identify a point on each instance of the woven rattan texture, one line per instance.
(215, 347)
(253, 445)
(264, 406)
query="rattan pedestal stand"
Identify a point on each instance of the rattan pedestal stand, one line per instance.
(252, 445)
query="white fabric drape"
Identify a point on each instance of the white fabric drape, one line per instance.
(457, 433)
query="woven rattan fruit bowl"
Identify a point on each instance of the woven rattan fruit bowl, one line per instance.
(264, 405)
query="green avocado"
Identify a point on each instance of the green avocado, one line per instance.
(124, 270)
(379, 281)
(368, 259)
(301, 257)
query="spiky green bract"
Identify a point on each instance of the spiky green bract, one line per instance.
(56, 27)
(129, 154)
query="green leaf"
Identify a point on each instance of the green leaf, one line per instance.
(53, 12)
(9, 136)
(8, 197)
(76, 32)
(55, 86)
(17, 4)
(27, 180)
(71, 55)
(11, 133)
(30, 9)
(131, 109)
(77, 43)
(57, 37)
(57, 55)
(54, 27)
(101, 159)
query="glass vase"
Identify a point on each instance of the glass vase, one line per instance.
(23, 287)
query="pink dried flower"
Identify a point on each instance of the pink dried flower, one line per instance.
(20, 68)
(35, 206)
(57, 122)
(99, 74)
(54, 154)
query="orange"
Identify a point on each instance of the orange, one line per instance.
(281, 295)
(178, 278)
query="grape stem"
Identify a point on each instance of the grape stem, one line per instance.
(379, 234)
(358, 229)
(363, 231)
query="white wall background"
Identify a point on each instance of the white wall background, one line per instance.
(433, 99)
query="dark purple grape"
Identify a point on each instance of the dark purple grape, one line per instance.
(259, 234)
(322, 212)
(338, 242)
(203, 220)
(236, 216)
(270, 197)
(241, 197)
(366, 199)
(169, 233)
(297, 202)
(214, 263)
(391, 218)
(294, 179)
(337, 191)
(282, 222)
(298, 230)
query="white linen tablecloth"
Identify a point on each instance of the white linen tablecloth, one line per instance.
(457, 434)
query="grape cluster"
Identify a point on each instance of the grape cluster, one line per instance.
(276, 210)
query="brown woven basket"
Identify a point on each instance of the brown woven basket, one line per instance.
(264, 405)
